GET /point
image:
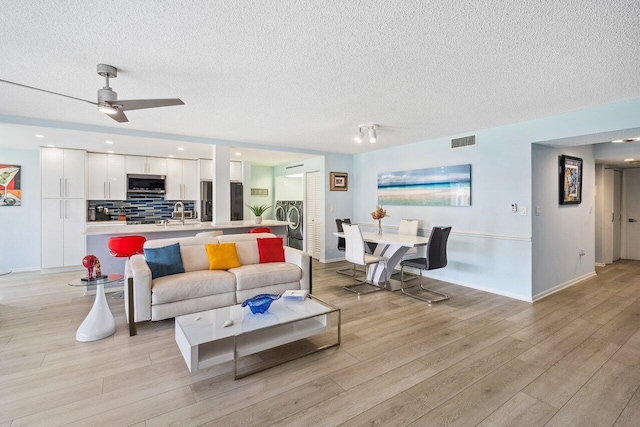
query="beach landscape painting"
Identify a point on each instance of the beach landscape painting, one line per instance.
(440, 186)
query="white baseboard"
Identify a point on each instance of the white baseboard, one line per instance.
(24, 269)
(600, 264)
(327, 261)
(61, 269)
(562, 286)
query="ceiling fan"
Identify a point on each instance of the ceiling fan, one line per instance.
(108, 102)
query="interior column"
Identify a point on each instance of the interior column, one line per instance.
(221, 184)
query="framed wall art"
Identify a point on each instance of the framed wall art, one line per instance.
(339, 181)
(570, 180)
(440, 186)
(10, 183)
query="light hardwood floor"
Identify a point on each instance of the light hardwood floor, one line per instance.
(572, 359)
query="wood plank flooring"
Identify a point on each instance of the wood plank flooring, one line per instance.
(571, 359)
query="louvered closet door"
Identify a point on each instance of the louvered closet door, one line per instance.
(313, 214)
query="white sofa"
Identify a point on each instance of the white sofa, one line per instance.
(199, 289)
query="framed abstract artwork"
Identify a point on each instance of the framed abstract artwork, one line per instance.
(10, 192)
(570, 180)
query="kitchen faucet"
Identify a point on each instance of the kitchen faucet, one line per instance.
(175, 209)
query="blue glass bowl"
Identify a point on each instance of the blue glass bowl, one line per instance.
(260, 303)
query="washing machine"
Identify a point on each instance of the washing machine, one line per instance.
(282, 207)
(295, 217)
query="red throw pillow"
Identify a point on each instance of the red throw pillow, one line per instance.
(271, 249)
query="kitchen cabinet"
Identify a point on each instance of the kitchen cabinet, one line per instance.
(63, 242)
(206, 169)
(145, 165)
(182, 180)
(107, 177)
(235, 169)
(62, 173)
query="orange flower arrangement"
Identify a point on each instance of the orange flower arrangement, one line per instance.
(379, 213)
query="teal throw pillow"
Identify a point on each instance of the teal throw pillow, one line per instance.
(164, 261)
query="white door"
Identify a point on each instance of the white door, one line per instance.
(607, 217)
(631, 217)
(312, 212)
(617, 214)
(97, 171)
(116, 177)
(52, 233)
(74, 180)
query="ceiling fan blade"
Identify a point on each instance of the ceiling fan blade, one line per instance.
(118, 117)
(48, 91)
(139, 104)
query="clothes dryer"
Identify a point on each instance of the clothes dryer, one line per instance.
(295, 217)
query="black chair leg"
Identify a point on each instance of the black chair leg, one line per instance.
(440, 295)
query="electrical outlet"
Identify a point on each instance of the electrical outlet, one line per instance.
(514, 207)
(537, 210)
(523, 211)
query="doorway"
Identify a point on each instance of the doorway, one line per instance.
(631, 213)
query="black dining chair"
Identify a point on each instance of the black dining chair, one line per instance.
(436, 258)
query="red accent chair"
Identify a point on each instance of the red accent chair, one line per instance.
(126, 246)
(260, 230)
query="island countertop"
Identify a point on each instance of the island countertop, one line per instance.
(120, 227)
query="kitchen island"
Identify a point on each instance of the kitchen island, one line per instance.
(98, 233)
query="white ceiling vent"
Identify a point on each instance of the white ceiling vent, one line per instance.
(464, 141)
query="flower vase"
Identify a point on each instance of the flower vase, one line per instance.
(380, 226)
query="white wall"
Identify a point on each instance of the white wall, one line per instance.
(262, 177)
(561, 231)
(490, 247)
(20, 225)
(289, 188)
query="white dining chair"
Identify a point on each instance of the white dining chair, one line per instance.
(356, 254)
(409, 227)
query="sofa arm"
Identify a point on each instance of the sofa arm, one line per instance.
(137, 268)
(302, 260)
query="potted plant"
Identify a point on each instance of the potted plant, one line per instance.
(258, 210)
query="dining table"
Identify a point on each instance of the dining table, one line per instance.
(392, 248)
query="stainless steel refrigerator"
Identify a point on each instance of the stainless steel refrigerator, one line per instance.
(237, 204)
(206, 202)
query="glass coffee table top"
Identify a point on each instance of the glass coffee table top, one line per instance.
(107, 280)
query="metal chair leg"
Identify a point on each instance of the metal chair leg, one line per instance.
(443, 297)
(349, 271)
(363, 282)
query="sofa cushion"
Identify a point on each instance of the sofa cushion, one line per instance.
(192, 284)
(194, 257)
(222, 256)
(257, 275)
(164, 261)
(271, 250)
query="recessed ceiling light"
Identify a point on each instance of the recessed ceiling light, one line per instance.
(171, 155)
(50, 145)
(180, 148)
(620, 141)
(108, 142)
(629, 160)
(39, 136)
(238, 153)
(110, 151)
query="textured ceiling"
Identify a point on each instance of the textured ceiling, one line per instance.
(305, 74)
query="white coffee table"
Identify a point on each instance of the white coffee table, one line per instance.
(204, 342)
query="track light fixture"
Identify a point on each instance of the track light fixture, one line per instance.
(373, 137)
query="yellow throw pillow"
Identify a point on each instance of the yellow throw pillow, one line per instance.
(222, 256)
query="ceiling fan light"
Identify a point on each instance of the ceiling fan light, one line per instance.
(107, 109)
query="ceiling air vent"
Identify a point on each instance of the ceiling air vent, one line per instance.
(464, 141)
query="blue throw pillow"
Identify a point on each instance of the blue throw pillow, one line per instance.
(164, 261)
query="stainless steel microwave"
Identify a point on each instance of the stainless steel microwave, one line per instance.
(154, 184)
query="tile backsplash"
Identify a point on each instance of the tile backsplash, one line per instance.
(143, 207)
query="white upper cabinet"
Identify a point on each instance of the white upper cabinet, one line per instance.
(182, 180)
(62, 173)
(146, 165)
(206, 169)
(107, 177)
(235, 169)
